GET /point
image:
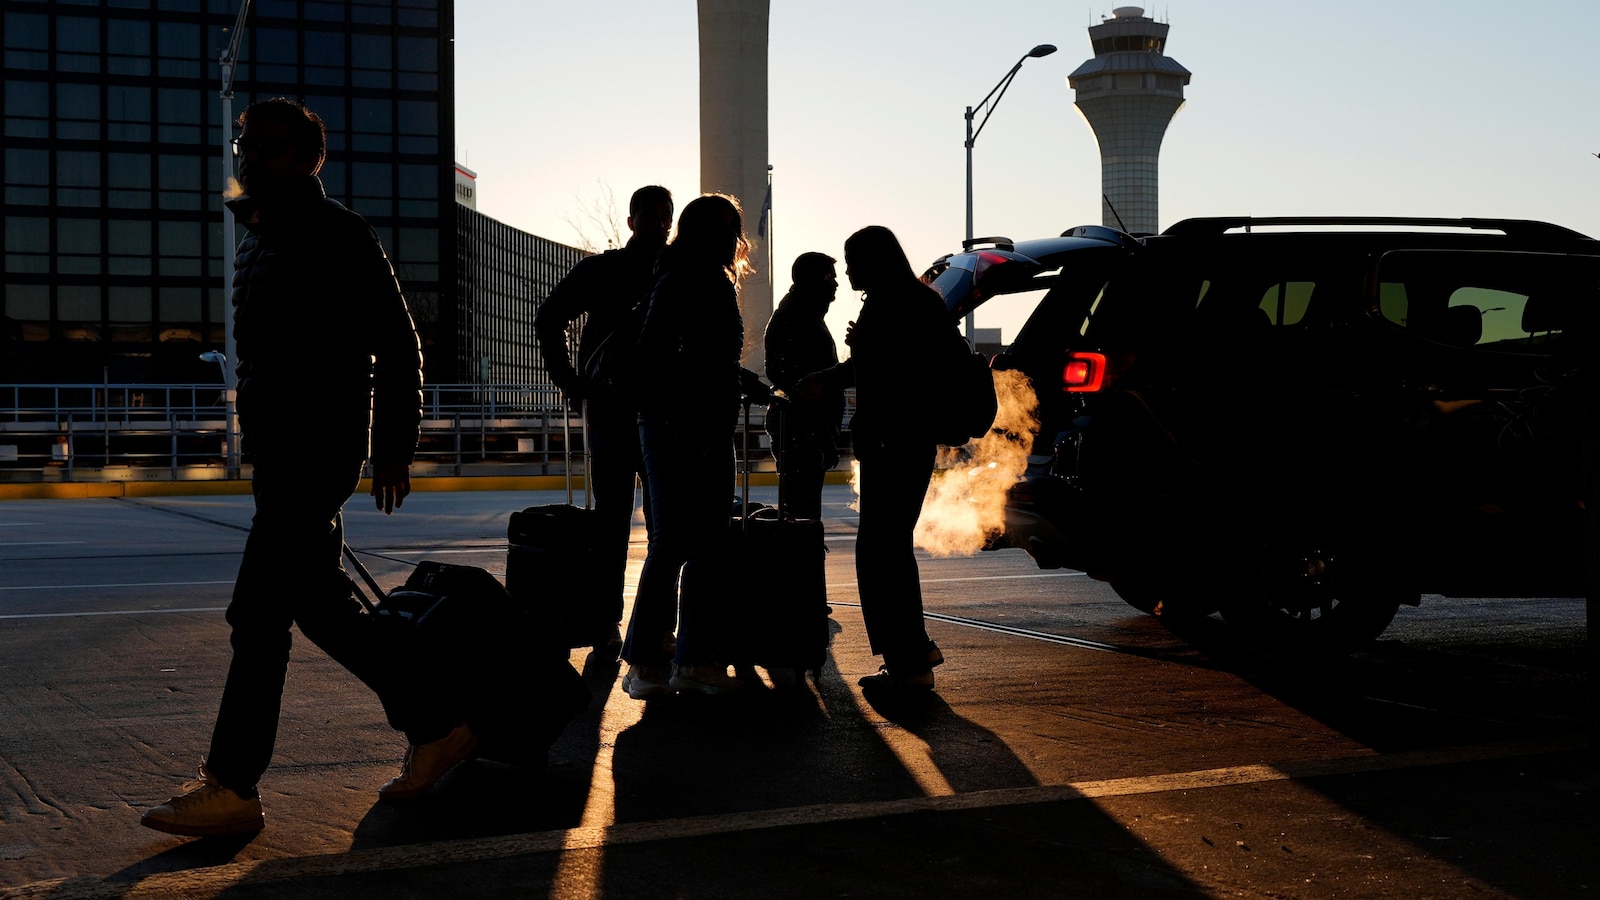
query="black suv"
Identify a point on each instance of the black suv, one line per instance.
(1302, 423)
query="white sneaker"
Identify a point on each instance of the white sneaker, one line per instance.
(206, 809)
(703, 679)
(646, 682)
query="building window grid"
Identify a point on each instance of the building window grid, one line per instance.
(505, 274)
(166, 40)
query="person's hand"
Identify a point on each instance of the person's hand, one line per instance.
(752, 387)
(391, 482)
(850, 333)
(808, 388)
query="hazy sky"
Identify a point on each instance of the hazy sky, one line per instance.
(1410, 107)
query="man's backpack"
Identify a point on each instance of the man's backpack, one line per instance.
(610, 367)
(965, 404)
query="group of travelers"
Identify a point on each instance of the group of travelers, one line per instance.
(683, 377)
(659, 381)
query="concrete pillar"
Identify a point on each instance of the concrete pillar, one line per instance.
(733, 138)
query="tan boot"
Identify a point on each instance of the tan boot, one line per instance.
(427, 763)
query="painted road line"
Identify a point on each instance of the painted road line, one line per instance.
(218, 881)
(126, 584)
(441, 552)
(36, 543)
(113, 612)
(1003, 577)
(1028, 633)
(1038, 635)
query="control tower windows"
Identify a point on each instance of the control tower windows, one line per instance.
(1136, 42)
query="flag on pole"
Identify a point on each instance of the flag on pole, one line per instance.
(766, 207)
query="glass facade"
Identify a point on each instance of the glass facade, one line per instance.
(115, 264)
(504, 275)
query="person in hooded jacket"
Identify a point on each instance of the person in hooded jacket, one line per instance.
(689, 385)
(326, 348)
(892, 344)
(798, 342)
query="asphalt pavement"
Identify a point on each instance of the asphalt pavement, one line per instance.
(1073, 748)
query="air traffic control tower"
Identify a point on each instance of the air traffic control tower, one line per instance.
(1129, 92)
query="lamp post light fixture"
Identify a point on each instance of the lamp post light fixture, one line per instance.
(988, 104)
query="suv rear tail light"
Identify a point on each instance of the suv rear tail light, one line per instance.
(1084, 372)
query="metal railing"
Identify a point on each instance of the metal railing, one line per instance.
(120, 431)
(96, 432)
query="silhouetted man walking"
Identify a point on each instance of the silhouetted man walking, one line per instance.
(326, 348)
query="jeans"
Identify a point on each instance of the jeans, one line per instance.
(291, 573)
(615, 462)
(689, 469)
(894, 482)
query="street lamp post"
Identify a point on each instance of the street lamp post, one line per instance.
(230, 431)
(988, 108)
(228, 62)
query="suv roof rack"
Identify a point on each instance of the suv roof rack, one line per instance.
(1102, 233)
(998, 243)
(1518, 228)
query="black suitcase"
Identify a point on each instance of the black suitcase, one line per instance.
(551, 559)
(768, 583)
(509, 681)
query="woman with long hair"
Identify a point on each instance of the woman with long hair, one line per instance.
(689, 389)
(892, 347)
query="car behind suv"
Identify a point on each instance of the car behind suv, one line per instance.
(1302, 423)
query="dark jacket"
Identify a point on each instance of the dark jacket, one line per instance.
(603, 288)
(325, 343)
(798, 343)
(690, 344)
(893, 345)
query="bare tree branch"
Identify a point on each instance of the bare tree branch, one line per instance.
(596, 221)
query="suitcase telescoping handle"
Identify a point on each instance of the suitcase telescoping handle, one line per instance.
(781, 407)
(588, 463)
(566, 448)
(367, 577)
(778, 408)
(781, 410)
(744, 470)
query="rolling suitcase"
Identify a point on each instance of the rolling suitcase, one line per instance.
(551, 561)
(508, 680)
(769, 583)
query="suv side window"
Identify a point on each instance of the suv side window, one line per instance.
(1500, 313)
(1286, 302)
(1499, 301)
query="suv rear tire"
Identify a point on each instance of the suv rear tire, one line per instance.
(1313, 598)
